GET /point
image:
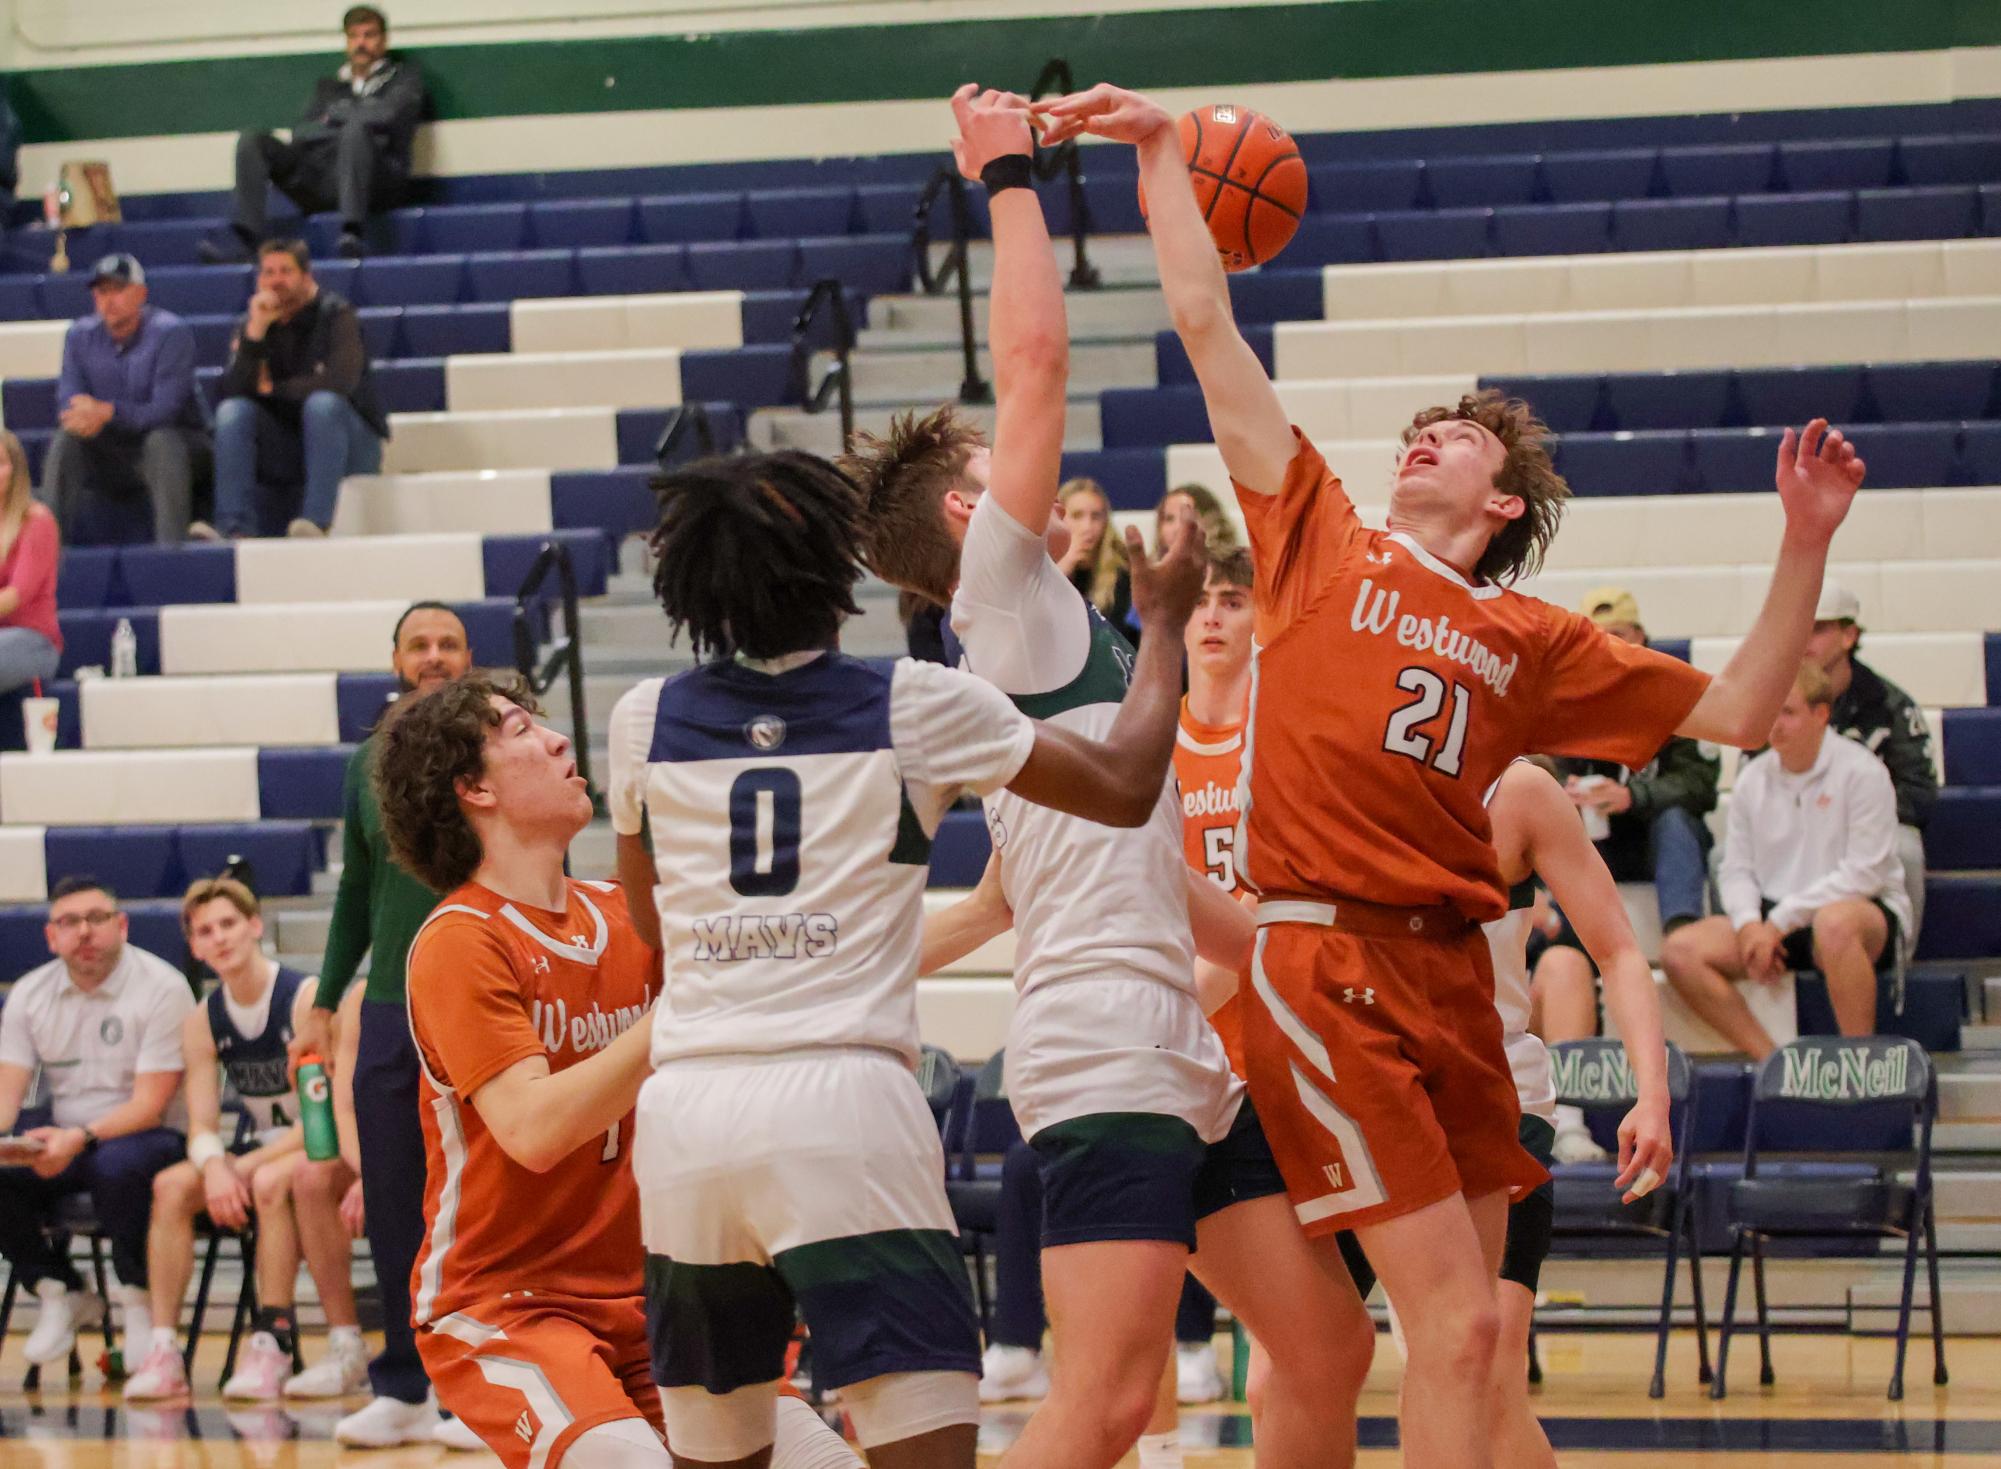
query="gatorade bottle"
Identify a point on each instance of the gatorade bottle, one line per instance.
(316, 1110)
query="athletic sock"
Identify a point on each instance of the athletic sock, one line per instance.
(280, 1322)
(1160, 1450)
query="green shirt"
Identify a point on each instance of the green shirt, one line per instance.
(378, 906)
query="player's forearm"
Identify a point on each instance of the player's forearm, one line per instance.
(554, 1115)
(1634, 1004)
(1028, 328)
(1224, 929)
(951, 933)
(1191, 275)
(1740, 704)
(1140, 742)
(636, 875)
(143, 1110)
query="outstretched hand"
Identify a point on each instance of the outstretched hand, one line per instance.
(991, 125)
(1165, 591)
(1818, 475)
(1103, 111)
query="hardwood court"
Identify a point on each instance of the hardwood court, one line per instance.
(1826, 1412)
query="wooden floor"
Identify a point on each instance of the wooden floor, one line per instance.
(1827, 1411)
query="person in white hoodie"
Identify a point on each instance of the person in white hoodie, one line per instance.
(1810, 879)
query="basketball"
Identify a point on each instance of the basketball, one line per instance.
(1249, 180)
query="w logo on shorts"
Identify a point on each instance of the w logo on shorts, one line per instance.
(525, 1426)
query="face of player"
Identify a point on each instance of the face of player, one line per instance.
(431, 650)
(1086, 514)
(977, 476)
(1218, 638)
(365, 44)
(87, 932)
(530, 777)
(1796, 733)
(1446, 477)
(223, 938)
(1830, 644)
(1177, 513)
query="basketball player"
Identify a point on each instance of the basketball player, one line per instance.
(244, 1026)
(527, 993)
(1397, 676)
(1146, 1149)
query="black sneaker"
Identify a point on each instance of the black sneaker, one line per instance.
(350, 246)
(227, 248)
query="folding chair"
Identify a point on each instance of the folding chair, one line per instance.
(974, 1187)
(1596, 1077)
(1882, 1090)
(246, 1249)
(943, 1082)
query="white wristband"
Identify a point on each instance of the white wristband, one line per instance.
(203, 1147)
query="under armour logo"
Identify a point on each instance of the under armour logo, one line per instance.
(1366, 996)
(577, 941)
(541, 965)
(1374, 560)
(523, 1427)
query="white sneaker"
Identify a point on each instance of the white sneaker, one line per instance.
(1012, 1372)
(343, 1370)
(1575, 1145)
(64, 1313)
(303, 529)
(260, 1371)
(386, 1423)
(161, 1375)
(456, 1433)
(201, 530)
(1197, 1378)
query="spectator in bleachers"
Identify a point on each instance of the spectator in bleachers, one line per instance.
(350, 151)
(1810, 877)
(31, 638)
(299, 408)
(240, 1034)
(129, 420)
(101, 1022)
(377, 911)
(1191, 502)
(1878, 715)
(1096, 559)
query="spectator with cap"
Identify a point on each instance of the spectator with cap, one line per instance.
(1810, 878)
(351, 150)
(130, 423)
(1885, 720)
(101, 1022)
(299, 408)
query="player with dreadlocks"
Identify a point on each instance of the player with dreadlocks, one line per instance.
(785, 1155)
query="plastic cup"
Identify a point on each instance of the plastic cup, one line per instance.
(38, 717)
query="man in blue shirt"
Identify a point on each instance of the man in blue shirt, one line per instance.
(131, 424)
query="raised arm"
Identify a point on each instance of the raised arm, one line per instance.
(1818, 475)
(1252, 428)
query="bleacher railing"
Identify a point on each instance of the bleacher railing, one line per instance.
(566, 654)
(1067, 159)
(828, 297)
(955, 267)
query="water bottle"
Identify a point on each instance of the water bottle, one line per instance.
(124, 650)
(316, 1113)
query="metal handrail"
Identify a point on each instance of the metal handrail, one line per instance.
(956, 267)
(828, 294)
(1067, 158)
(566, 654)
(688, 417)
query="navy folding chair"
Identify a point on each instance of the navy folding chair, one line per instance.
(1596, 1077)
(1825, 1094)
(974, 1186)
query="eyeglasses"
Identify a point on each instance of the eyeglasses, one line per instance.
(71, 922)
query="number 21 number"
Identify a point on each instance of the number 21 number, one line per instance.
(1402, 736)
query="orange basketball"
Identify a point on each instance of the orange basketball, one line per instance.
(1249, 180)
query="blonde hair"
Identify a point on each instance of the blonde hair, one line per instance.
(1108, 559)
(904, 476)
(1216, 524)
(208, 889)
(1814, 685)
(19, 501)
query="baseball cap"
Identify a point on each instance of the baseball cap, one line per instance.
(1837, 604)
(120, 267)
(1612, 607)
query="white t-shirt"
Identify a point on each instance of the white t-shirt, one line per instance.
(792, 810)
(1087, 899)
(89, 1047)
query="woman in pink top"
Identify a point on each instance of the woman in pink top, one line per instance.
(31, 641)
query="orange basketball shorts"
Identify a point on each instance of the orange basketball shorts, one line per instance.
(1375, 1062)
(530, 1374)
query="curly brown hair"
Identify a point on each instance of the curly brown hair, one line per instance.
(1517, 549)
(904, 476)
(428, 744)
(1232, 567)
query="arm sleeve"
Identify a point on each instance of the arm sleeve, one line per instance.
(1737, 877)
(172, 386)
(399, 106)
(239, 376)
(1022, 624)
(953, 733)
(160, 1047)
(35, 563)
(630, 742)
(17, 1046)
(466, 1009)
(1602, 699)
(349, 932)
(1869, 851)
(341, 356)
(1686, 775)
(1908, 755)
(69, 383)
(1297, 536)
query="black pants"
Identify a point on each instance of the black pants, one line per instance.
(392, 1186)
(343, 170)
(118, 1176)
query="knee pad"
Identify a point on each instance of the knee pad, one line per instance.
(628, 1443)
(900, 1405)
(806, 1442)
(719, 1427)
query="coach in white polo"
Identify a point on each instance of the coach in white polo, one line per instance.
(101, 1022)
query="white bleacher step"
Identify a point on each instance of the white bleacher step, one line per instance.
(1974, 1238)
(1940, 670)
(1120, 260)
(341, 637)
(1970, 1091)
(1595, 1288)
(1966, 1190)
(210, 710)
(898, 374)
(129, 787)
(689, 320)
(487, 501)
(1972, 1292)
(1991, 998)
(646, 377)
(446, 566)
(1980, 1135)
(32, 348)
(1117, 311)
(551, 438)
(820, 433)
(1980, 1038)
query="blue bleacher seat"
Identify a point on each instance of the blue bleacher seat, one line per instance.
(1908, 455)
(873, 264)
(65, 297)
(304, 783)
(1990, 209)
(359, 699)
(162, 241)
(1171, 358)
(632, 270)
(960, 850)
(401, 231)
(519, 275)
(1364, 187)
(410, 280)
(1277, 294)
(1652, 463)
(1668, 399)
(1933, 1003)
(1672, 224)
(333, 273)
(87, 576)
(155, 927)
(460, 229)
(1133, 479)
(1113, 202)
(87, 637)
(1964, 158)
(1779, 396)
(201, 290)
(1334, 239)
(157, 576)
(447, 331)
(752, 377)
(1605, 173)
(1137, 417)
(138, 861)
(639, 431)
(1965, 829)
(28, 402)
(1568, 403)
(1698, 170)
(411, 385)
(570, 224)
(786, 214)
(1465, 183)
(1445, 234)
(887, 208)
(212, 336)
(36, 442)
(1911, 392)
(1980, 462)
(1795, 219)
(745, 265)
(489, 625)
(1730, 461)
(19, 300)
(1553, 229)
(509, 559)
(1811, 164)
(678, 219)
(1962, 917)
(283, 855)
(617, 502)
(1947, 213)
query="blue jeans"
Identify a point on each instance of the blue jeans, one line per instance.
(25, 655)
(1672, 850)
(271, 468)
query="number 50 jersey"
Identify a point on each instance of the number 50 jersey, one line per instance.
(792, 806)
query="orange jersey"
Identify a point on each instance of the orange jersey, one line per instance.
(1207, 762)
(492, 983)
(1391, 692)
